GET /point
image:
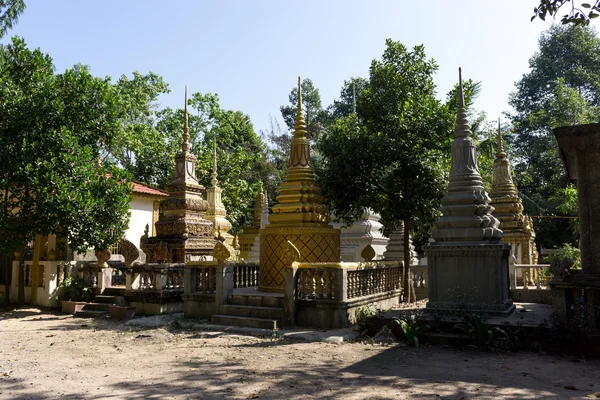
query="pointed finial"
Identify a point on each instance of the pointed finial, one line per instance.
(501, 153)
(185, 146)
(462, 123)
(213, 176)
(98, 162)
(300, 125)
(353, 97)
(461, 98)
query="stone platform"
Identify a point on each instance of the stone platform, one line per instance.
(526, 315)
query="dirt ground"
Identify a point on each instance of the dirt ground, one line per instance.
(48, 356)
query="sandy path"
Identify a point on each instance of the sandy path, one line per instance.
(48, 356)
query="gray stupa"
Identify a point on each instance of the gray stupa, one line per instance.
(468, 264)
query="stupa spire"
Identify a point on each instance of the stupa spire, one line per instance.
(185, 145)
(501, 153)
(300, 125)
(213, 180)
(353, 97)
(466, 214)
(462, 123)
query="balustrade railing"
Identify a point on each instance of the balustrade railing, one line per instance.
(143, 277)
(204, 279)
(346, 281)
(419, 276)
(533, 276)
(317, 283)
(91, 273)
(245, 275)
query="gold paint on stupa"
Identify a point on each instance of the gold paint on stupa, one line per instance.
(298, 217)
(250, 232)
(508, 209)
(216, 212)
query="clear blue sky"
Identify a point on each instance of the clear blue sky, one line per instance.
(251, 52)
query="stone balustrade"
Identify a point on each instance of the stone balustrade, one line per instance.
(534, 276)
(326, 295)
(245, 274)
(531, 284)
(155, 288)
(419, 277)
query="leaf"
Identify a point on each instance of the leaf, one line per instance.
(585, 5)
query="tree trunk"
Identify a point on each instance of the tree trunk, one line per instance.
(7, 274)
(21, 283)
(406, 274)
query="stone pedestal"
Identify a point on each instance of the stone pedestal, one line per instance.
(469, 278)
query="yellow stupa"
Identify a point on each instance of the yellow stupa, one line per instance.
(299, 216)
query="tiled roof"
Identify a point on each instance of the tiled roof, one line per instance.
(142, 188)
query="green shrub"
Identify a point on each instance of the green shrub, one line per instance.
(73, 288)
(569, 252)
(482, 335)
(411, 328)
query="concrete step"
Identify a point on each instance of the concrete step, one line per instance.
(91, 314)
(248, 322)
(259, 301)
(96, 307)
(253, 311)
(114, 291)
(110, 299)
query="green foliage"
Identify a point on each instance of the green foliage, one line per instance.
(52, 127)
(9, 14)
(73, 288)
(411, 328)
(579, 14)
(362, 316)
(396, 148)
(571, 253)
(481, 334)
(562, 88)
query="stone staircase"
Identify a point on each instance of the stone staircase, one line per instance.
(252, 310)
(99, 307)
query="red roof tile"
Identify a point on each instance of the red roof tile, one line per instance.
(142, 188)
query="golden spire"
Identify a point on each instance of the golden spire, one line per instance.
(300, 125)
(185, 146)
(501, 153)
(213, 176)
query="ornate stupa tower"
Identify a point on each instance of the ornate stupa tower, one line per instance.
(508, 209)
(299, 216)
(216, 212)
(468, 265)
(182, 233)
(250, 232)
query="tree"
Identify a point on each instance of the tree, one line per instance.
(139, 146)
(562, 88)
(394, 153)
(579, 14)
(9, 14)
(51, 129)
(352, 90)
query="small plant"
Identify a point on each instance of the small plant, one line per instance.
(411, 329)
(362, 316)
(73, 288)
(480, 333)
(569, 252)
